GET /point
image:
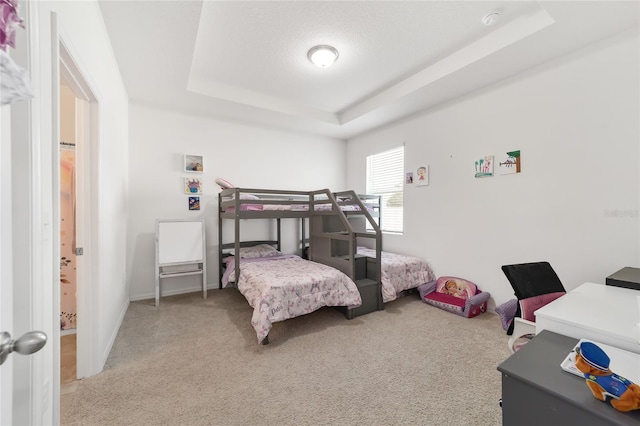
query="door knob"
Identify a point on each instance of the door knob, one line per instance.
(26, 344)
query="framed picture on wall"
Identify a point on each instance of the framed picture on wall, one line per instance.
(423, 175)
(192, 185)
(484, 166)
(509, 163)
(193, 163)
(408, 179)
(194, 203)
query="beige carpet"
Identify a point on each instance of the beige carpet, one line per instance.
(197, 362)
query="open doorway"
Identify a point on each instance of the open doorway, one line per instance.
(78, 191)
(68, 258)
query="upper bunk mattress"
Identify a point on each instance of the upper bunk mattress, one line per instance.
(291, 207)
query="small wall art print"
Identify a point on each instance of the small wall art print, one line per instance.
(194, 203)
(509, 163)
(193, 163)
(484, 166)
(192, 186)
(422, 174)
(409, 178)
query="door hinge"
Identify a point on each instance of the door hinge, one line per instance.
(79, 251)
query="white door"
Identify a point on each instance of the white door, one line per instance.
(18, 395)
(6, 278)
(27, 267)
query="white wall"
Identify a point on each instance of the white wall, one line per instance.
(83, 32)
(249, 157)
(575, 204)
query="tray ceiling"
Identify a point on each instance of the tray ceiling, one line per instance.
(246, 61)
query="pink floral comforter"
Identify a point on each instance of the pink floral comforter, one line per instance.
(400, 272)
(287, 286)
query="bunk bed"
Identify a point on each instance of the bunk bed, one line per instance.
(278, 286)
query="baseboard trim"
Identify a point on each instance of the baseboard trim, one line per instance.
(112, 339)
(171, 292)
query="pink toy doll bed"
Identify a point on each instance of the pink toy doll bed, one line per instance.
(455, 295)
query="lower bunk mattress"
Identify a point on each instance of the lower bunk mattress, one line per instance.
(400, 272)
(286, 286)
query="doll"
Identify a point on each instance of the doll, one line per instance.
(593, 362)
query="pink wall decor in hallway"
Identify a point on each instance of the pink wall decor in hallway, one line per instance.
(68, 310)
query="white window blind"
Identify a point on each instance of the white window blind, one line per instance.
(385, 178)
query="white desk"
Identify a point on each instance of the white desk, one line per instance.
(605, 314)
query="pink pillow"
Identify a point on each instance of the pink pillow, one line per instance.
(261, 250)
(530, 305)
(224, 184)
(457, 287)
(253, 252)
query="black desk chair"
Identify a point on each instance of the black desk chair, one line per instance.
(534, 284)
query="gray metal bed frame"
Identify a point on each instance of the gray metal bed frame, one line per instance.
(332, 238)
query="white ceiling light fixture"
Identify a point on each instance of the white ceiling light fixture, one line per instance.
(491, 18)
(323, 56)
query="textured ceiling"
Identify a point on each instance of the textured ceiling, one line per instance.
(246, 61)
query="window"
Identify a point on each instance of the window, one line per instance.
(385, 178)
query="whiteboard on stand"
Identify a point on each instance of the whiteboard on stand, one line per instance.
(180, 242)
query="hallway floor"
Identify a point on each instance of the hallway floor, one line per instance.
(68, 382)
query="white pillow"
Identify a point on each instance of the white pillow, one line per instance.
(248, 197)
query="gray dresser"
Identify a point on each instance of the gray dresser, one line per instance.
(536, 391)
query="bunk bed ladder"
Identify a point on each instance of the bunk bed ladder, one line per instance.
(333, 238)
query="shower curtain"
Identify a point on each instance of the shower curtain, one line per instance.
(68, 310)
